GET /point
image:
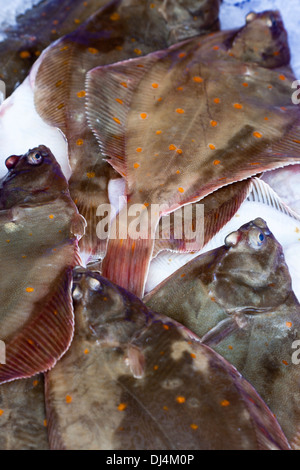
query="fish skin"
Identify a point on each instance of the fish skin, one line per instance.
(127, 363)
(39, 230)
(209, 144)
(238, 298)
(22, 421)
(122, 30)
(35, 30)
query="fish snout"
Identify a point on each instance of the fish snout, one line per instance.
(12, 161)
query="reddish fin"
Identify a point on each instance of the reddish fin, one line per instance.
(46, 337)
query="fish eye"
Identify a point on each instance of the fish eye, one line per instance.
(34, 158)
(256, 238)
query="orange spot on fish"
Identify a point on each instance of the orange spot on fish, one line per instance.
(7, 241)
(180, 399)
(77, 21)
(181, 55)
(59, 83)
(122, 406)
(165, 408)
(144, 115)
(217, 100)
(115, 16)
(158, 132)
(65, 48)
(155, 85)
(30, 342)
(194, 426)
(193, 356)
(283, 108)
(289, 324)
(166, 327)
(29, 289)
(245, 84)
(137, 51)
(91, 175)
(79, 142)
(61, 106)
(136, 165)
(180, 88)
(238, 106)
(266, 118)
(198, 79)
(178, 172)
(117, 120)
(172, 147)
(139, 149)
(45, 423)
(25, 54)
(119, 48)
(155, 367)
(68, 399)
(258, 135)
(119, 101)
(213, 123)
(1, 412)
(230, 347)
(181, 190)
(225, 403)
(212, 147)
(124, 84)
(217, 162)
(93, 50)
(285, 363)
(152, 5)
(180, 111)
(179, 151)
(81, 94)
(216, 48)
(51, 216)
(159, 99)
(282, 77)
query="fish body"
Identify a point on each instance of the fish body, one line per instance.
(196, 117)
(39, 231)
(134, 379)
(239, 299)
(23, 423)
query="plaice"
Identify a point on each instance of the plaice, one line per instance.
(23, 415)
(238, 298)
(39, 231)
(35, 30)
(133, 379)
(196, 117)
(123, 29)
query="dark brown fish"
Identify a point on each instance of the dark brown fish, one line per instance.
(39, 231)
(23, 424)
(239, 299)
(122, 30)
(35, 30)
(182, 123)
(134, 379)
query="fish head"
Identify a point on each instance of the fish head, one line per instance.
(34, 177)
(252, 273)
(107, 312)
(263, 40)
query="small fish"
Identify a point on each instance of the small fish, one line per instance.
(117, 32)
(133, 379)
(39, 231)
(196, 117)
(239, 299)
(35, 30)
(23, 424)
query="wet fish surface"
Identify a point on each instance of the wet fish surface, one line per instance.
(133, 379)
(238, 298)
(194, 118)
(39, 231)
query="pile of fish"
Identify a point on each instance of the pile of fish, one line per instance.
(119, 334)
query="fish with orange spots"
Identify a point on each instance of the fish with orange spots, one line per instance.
(43, 226)
(127, 395)
(22, 415)
(237, 298)
(35, 30)
(59, 83)
(242, 143)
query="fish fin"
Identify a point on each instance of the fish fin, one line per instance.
(295, 442)
(263, 193)
(219, 208)
(54, 435)
(220, 331)
(136, 361)
(127, 260)
(109, 90)
(44, 340)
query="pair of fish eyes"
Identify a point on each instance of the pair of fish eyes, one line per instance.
(34, 158)
(256, 238)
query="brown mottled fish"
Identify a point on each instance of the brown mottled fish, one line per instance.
(239, 299)
(123, 29)
(39, 231)
(133, 379)
(181, 123)
(35, 30)
(23, 424)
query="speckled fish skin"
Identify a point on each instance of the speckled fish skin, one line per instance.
(239, 300)
(23, 416)
(39, 230)
(122, 30)
(35, 30)
(134, 379)
(231, 119)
